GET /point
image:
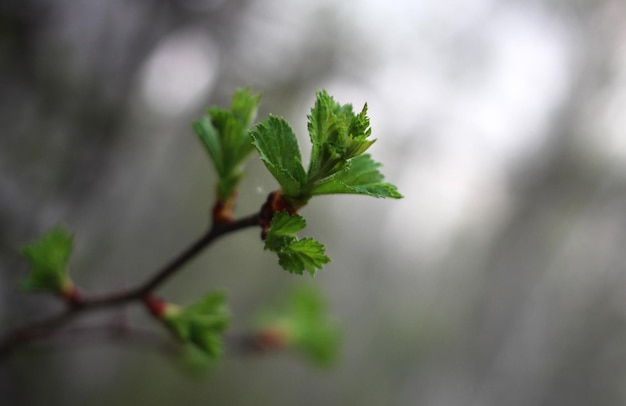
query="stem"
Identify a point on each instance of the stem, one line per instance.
(47, 327)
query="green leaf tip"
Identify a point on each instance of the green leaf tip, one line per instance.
(339, 138)
(360, 177)
(278, 148)
(294, 255)
(305, 325)
(200, 324)
(224, 135)
(48, 257)
(337, 135)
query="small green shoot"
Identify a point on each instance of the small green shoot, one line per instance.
(200, 324)
(339, 138)
(294, 255)
(224, 134)
(305, 325)
(48, 257)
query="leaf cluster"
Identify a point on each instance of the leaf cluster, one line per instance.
(200, 324)
(337, 165)
(339, 138)
(294, 255)
(48, 257)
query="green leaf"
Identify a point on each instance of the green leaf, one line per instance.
(360, 177)
(307, 324)
(305, 254)
(210, 138)
(244, 106)
(278, 147)
(283, 229)
(233, 124)
(48, 257)
(224, 134)
(294, 255)
(201, 324)
(337, 135)
(194, 361)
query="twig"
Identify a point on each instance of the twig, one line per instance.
(46, 328)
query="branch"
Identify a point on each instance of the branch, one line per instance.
(142, 293)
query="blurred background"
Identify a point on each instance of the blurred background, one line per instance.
(498, 280)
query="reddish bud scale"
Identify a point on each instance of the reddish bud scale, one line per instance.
(222, 214)
(271, 338)
(279, 203)
(275, 202)
(72, 295)
(155, 306)
(223, 210)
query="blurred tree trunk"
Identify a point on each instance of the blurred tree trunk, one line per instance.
(545, 323)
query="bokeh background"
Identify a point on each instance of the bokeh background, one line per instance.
(499, 279)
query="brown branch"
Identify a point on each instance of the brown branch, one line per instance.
(46, 328)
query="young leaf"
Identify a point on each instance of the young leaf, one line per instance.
(210, 138)
(305, 325)
(337, 135)
(283, 229)
(200, 324)
(224, 134)
(194, 361)
(278, 147)
(360, 177)
(48, 257)
(306, 254)
(294, 256)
